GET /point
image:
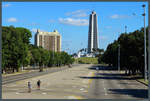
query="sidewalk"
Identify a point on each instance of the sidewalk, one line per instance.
(137, 78)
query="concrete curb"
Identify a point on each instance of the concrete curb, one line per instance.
(29, 71)
(142, 82)
(16, 73)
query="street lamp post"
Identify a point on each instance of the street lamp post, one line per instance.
(145, 55)
(118, 57)
(149, 55)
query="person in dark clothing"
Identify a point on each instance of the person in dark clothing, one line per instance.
(29, 87)
(38, 84)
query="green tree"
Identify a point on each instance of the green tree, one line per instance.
(14, 47)
(131, 52)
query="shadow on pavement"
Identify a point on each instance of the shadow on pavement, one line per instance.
(106, 78)
(109, 77)
(103, 68)
(138, 93)
(111, 74)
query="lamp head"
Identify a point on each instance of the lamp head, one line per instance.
(143, 5)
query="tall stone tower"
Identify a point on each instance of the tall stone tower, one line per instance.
(93, 33)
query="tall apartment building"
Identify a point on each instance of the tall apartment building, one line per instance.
(48, 40)
(93, 33)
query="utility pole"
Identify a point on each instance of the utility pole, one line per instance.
(119, 57)
(149, 55)
(53, 47)
(125, 29)
(145, 55)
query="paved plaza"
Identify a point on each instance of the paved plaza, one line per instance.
(65, 84)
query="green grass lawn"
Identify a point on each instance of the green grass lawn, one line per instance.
(142, 80)
(87, 60)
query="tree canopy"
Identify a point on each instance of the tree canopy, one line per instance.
(17, 51)
(131, 52)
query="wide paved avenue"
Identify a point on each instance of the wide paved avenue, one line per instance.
(80, 82)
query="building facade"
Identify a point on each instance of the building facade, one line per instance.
(48, 40)
(93, 33)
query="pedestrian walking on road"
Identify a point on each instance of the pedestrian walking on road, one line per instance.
(29, 87)
(38, 84)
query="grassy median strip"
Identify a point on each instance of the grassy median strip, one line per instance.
(143, 81)
(87, 60)
(16, 73)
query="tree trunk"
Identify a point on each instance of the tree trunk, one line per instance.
(13, 70)
(17, 69)
(129, 71)
(126, 71)
(2, 71)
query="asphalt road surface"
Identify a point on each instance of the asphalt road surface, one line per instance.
(14, 78)
(110, 84)
(80, 82)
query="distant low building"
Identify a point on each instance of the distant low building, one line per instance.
(48, 40)
(90, 55)
(80, 54)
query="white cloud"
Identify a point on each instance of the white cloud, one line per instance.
(116, 16)
(32, 24)
(108, 27)
(103, 38)
(67, 41)
(51, 20)
(6, 5)
(81, 15)
(12, 20)
(78, 13)
(75, 22)
(34, 30)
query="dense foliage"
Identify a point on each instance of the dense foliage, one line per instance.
(131, 52)
(17, 51)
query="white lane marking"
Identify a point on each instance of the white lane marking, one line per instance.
(105, 90)
(43, 93)
(82, 89)
(85, 91)
(71, 97)
(89, 75)
(17, 93)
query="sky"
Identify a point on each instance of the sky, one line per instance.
(71, 19)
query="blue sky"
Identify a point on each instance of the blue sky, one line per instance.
(71, 19)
